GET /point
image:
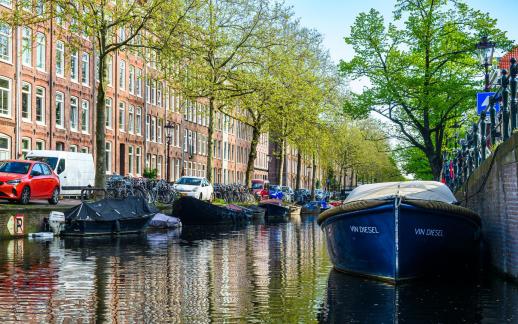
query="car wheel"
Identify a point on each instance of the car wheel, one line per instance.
(55, 197)
(26, 196)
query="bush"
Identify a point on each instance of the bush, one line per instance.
(150, 173)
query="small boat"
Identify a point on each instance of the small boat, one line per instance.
(274, 208)
(194, 211)
(257, 212)
(164, 221)
(108, 216)
(312, 207)
(401, 230)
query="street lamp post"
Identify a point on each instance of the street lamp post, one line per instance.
(168, 128)
(486, 50)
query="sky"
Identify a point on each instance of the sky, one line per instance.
(333, 18)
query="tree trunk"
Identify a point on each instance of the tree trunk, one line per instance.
(435, 161)
(100, 127)
(299, 167)
(251, 156)
(210, 144)
(281, 163)
(313, 178)
(351, 179)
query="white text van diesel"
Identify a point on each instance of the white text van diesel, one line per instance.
(75, 170)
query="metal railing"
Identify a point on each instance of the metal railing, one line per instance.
(492, 128)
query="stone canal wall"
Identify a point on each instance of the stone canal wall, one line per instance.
(492, 191)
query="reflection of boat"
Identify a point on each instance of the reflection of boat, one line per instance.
(108, 216)
(274, 208)
(353, 299)
(194, 211)
(202, 232)
(397, 231)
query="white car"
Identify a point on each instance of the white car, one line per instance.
(197, 187)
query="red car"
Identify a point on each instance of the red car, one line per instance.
(24, 180)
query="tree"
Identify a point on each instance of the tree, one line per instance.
(147, 28)
(422, 75)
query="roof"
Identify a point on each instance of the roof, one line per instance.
(504, 62)
(419, 190)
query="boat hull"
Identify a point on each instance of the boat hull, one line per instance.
(121, 226)
(194, 211)
(273, 211)
(401, 243)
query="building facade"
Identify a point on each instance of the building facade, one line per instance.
(47, 101)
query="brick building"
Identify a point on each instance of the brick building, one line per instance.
(47, 101)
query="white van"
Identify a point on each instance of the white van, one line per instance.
(75, 170)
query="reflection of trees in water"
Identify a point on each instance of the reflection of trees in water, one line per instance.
(262, 273)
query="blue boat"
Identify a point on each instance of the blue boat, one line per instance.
(401, 230)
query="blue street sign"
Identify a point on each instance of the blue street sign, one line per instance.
(483, 101)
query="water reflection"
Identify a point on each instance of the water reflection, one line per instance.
(471, 299)
(277, 273)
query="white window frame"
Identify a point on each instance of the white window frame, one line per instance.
(74, 67)
(138, 121)
(130, 159)
(108, 156)
(122, 116)
(85, 69)
(60, 57)
(138, 160)
(26, 46)
(40, 100)
(85, 116)
(27, 93)
(109, 113)
(122, 75)
(25, 150)
(41, 52)
(131, 80)
(6, 35)
(59, 107)
(131, 119)
(9, 96)
(74, 113)
(39, 143)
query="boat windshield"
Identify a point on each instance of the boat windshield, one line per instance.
(189, 181)
(14, 167)
(51, 161)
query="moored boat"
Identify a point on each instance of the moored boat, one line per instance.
(401, 230)
(274, 208)
(194, 211)
(108, 216)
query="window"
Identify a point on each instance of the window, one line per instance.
(40, 7)
(108, 157)
(153, 92)
(40, 145)
(122, 35)
(159, 94)
(159, 131)
(73, 148)
(130, 159)
(59, 15)
(73, 66)
(131, 81)
(40, 105)
(27, 46)
(138, 121)
(60, 146)
(85, 69)
(6, 3)
(5, 147)
(138, 160)
(108, 112)
(60, 59)
(131, 119)
(5, 42)
(122, 75)
(74, 115)
(85, 116)
(59, 109)
(109, 67)
(5, 97)
(148, 88)
(153, 129)
(159, 167)
(122, 115)
(26, 147)
(26, 101)
(40, 51)
(138, 83)
(148, 122)
(84, 149)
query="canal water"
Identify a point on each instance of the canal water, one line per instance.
(259, 273)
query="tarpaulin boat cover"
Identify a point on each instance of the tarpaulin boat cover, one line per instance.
(412, 190)
(110, 209)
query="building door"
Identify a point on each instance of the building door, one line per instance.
(122, 159)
